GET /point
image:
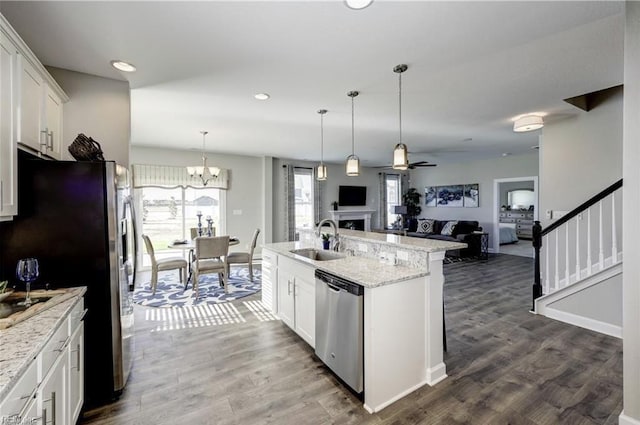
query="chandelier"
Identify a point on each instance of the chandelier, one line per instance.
(400, 154)
(353, 162)
(204, 173)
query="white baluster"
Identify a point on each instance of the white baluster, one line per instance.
(547, 281)
(556, 285)
(577, 248)
(601, 241)
(567, 279)
(589, 242)
(614, 239)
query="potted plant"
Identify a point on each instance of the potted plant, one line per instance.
(411, 199)
(326, 240)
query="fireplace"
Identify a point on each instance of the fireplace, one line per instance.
(360, 218)
(351, 224)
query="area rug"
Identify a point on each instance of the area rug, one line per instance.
(170, 291)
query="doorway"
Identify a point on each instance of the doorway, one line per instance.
(506, 196)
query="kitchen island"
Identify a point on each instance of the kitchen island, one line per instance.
(403, 304)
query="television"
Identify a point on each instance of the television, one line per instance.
(350, 196)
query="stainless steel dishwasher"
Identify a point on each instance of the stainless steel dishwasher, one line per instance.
(339, 328)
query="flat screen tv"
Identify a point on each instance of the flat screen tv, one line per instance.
(350, 196)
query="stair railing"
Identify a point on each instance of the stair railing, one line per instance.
(567, 259)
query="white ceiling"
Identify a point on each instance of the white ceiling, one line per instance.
(472, 67)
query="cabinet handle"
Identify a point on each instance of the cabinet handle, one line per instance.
(288, 286)
(50, 138)
(53, 409)
(77, 357)
(1, 195)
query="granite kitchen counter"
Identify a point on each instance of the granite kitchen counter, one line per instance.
(21, 343)
(367, 272)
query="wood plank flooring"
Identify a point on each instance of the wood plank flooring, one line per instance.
(505, 365)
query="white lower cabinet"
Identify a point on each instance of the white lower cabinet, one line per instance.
(296, 297)
(270, 280)
(52, 397)
(51, 390)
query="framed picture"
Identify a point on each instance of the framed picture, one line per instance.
(450, 196)
(471, 195)
(430, 195)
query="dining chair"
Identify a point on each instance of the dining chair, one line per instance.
(211, 257)
(245, 257)
(164, 264)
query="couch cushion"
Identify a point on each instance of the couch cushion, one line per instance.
(447, 229)
(425, 225)
(465, 227)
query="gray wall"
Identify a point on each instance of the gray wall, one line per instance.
(600, 302)
(580, 155)
(336, 176)
(99, 108)
(245, 194)
(483, 172)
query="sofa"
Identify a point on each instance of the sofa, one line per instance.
(456, 231)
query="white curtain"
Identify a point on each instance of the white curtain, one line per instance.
(172, 176)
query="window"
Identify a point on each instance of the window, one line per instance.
(393, 197)
(303, 185)
(167, 214)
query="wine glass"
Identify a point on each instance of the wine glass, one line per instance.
(27, 271)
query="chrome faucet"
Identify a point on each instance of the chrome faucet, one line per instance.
(336, 237)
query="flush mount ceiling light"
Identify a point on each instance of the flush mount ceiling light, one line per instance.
(204, 173)
(357, 4)
(262, 96)
(353, 162)
(322, 169)
(528, 123)
(400, 154)
(123, 66)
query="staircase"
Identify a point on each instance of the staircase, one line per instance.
(578, 264)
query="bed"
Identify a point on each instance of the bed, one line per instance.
(508, 234)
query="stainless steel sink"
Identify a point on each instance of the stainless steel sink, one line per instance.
(318, 254)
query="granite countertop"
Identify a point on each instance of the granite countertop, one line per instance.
(21, 343)
(367, 272)
(407, 242)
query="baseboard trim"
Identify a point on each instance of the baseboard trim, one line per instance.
(393, 399)
(584, 322)
(436, 374)
(626, 420)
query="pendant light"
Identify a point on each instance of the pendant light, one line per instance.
(353, 162)
(400, 156)
(203, 172)
(322, 169)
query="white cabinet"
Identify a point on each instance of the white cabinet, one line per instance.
(51, 390)
(75, 367)
(8, 149)
(52, 397)
(296, 297)
(36, 101)
(270, 280)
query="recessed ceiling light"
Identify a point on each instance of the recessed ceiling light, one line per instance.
(506, 154)
(357, 4)
(262, 96)
(536, 147)
(123, 66)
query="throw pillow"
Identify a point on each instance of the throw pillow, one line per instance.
(425, 225)
(447, 229)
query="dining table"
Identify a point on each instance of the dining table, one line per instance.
(190, 244)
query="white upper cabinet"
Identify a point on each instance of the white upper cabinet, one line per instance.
(8, 150)
(37, 102)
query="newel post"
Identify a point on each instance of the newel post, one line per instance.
(537, 244)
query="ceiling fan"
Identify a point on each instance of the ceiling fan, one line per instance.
(413, 165)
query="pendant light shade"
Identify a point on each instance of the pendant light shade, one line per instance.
(322, 169)
(400, 154)
(353, 162)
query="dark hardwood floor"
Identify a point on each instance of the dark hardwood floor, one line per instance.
(235, 364)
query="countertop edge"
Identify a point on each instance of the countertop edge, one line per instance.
(26, 360)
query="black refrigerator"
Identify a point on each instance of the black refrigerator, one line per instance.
(76, 218)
